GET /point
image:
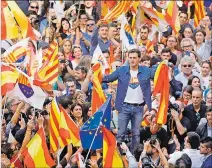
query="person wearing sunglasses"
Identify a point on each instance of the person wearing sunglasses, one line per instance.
(187, 65)
(33, 6)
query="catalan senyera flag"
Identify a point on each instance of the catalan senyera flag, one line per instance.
(36, 153)
(156, 18)
(63, 130)
(121, 7)
(10, 14)
(111, 157)
(145, 122)
(49, 70)
(112, 58)
(171, 16)
(149, 46)
(161, 85)
(98, 97)
(16, 56)
(199, 12)
(9, 77)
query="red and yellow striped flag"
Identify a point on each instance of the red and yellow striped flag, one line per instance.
(16, 56)
(98, 97)
(10, 14)
(63, 130)
(36, 153)
(161, 85)
(111, 157)
(171, 16)
(49, 70)
(9, 77)
(121, 7)
(199, 12)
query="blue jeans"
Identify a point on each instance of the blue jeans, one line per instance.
(127, 113)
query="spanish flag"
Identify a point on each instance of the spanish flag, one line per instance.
(14, 20)
(49, 70)
(36, 153)
(111, 157)
(63, 130)
(171, 16)
(9, 77)
(98, 97)
(161, 85)
(121, 7)
(199, 12)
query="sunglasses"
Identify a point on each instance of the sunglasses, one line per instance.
(90, 25)
(34, 7)
(186, 66)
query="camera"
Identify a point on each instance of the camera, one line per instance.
(146, 162)
(172, 106)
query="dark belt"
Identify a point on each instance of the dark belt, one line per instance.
(135, 104)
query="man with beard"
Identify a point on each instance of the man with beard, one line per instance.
(205, 129)
(144, 41)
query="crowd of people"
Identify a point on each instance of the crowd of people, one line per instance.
(185, 140)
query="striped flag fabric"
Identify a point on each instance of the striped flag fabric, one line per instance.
(9, 77)
(49, 70)
(199, 12)
(63, 130)
(156, 18)
(161, 85)
(121, 7)
(11, 15)
(26, 91)
(98, 97)
(111, 157)
(171, 16)
(16, 56)
(36, 153)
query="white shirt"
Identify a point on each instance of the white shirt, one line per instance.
(194, 154)
(134, 92)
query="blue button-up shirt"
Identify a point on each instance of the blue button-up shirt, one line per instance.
(123, 76)
(95, 40)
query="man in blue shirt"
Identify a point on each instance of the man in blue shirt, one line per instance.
(206, 150)
(133, 92)
(100, 36)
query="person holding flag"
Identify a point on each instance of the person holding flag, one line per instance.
(133, 92)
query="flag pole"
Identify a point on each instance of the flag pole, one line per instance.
(92, 141)
(19, 28)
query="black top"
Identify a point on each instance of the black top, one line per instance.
(194, 116)
(145, 134)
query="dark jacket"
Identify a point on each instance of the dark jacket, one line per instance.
(175, 88)
(207, 163)
(202, 130)
(123, 76)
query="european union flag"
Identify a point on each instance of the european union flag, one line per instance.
(91, 129)
(25, 86)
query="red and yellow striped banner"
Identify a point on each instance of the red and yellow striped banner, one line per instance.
(36, 153)
(9, 77)
(111, 157)
(12, 17)
(161, 85)
(98, 97)
(199, 12)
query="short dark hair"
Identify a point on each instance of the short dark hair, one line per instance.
(207, 62)
(145, 27)
(184, 161)
(166, 50)
(138, 150)
(188, 89)
(200, 30)
(65, 102)
(208, 109)
(207, 141)
(135, 51)
(145, 58)
(106, 51)
(193, 140)
(183, 13)
(71, 80)
(82, 68)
